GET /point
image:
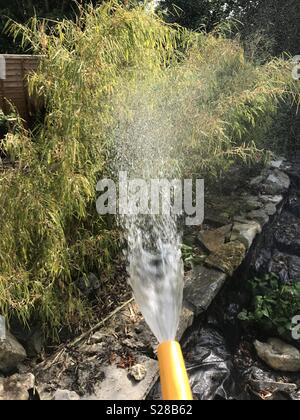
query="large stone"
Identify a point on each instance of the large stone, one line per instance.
(118, 385)
(245, 232)
(279, 355)
(252, 203)
(271, 199)
(11, 353)
(202, 288)
(277, 183)
(259, 216)
(216, 218)
(220, 209)
(228, 257)
(16, 387)
(271, 182)
(212, 240)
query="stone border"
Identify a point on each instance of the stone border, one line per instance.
(224, 259)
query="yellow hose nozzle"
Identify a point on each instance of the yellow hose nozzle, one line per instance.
(173, 375)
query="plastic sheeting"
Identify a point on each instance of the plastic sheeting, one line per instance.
(210, 367)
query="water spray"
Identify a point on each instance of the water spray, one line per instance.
(157, 283)
(147, 142)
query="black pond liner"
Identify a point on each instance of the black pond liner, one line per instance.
(211, 370)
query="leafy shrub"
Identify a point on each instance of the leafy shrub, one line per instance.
(50, 231)
(273, 305)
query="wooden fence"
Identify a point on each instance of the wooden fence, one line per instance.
(13, 85)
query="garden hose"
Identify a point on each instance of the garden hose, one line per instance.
(173, 375)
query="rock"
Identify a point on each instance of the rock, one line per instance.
(185, 321)
(201, 289)
(215, 218)
(277, 183)
(228, 257)
(245, 232)
(65, 395)
(259, 216)
(266, 386)
(257, 181)
(270, 209)
(273, 199)
(11, 353)
(211, 240)
(276, 164)
(296, 396)
(271, 182)
(16, 387)
(117, 384)
(279, 355)
(138, 372)
(252, 203)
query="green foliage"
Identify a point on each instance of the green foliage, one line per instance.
(21, 11)
(188, 255)
(232, 103)
(276, 22)
(196, 14)
(274, 305)
(216, 104)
